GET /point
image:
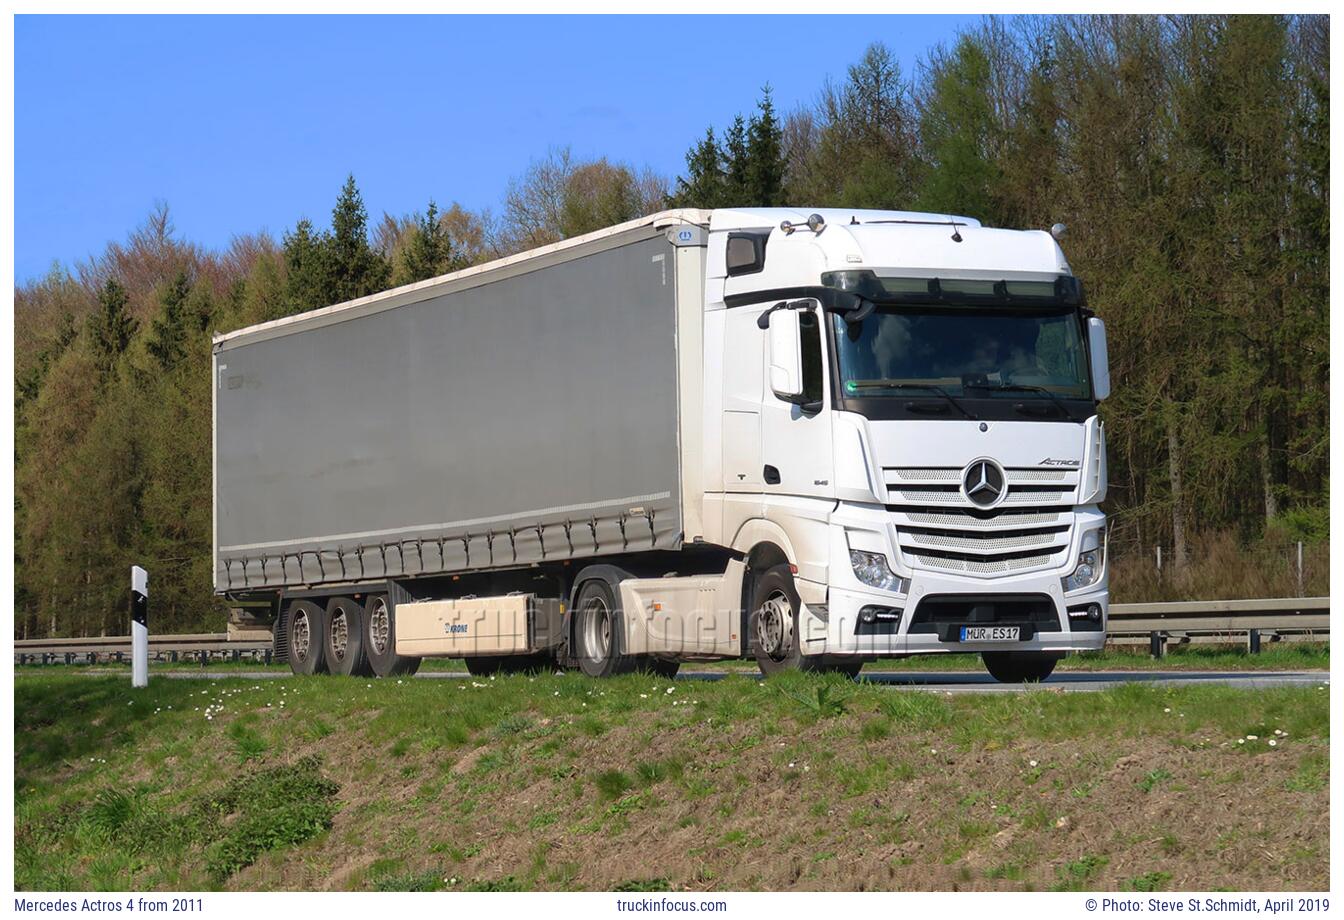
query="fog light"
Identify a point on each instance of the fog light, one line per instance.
(1094, 612)
(868, 614)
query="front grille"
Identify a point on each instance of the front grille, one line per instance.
(939, 529)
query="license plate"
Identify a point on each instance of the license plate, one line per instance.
(990, 633)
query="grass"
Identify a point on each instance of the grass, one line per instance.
(560, 782)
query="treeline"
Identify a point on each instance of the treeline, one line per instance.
(1189, 157)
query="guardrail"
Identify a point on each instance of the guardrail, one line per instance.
(1218, 621)
(1157, 623)
(203, 647)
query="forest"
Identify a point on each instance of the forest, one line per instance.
(1187, 155)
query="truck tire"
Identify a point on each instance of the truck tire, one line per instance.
(1020, 667)
(345, 638)
(775, 608)
(380, 634)
(305, 630)
(599, 636)
(486, 665)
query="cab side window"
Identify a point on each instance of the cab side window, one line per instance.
(810, 342)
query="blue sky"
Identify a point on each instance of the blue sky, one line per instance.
(249, 123)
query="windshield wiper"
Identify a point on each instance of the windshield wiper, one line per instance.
(1028, 388)
(891, 385)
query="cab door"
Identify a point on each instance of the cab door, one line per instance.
(797, 459)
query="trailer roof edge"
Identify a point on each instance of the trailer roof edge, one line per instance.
(426, 288)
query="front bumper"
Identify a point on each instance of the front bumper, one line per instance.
(844, 635)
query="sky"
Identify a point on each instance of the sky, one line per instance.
(242, 124)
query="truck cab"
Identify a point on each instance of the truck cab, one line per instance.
(901, 411)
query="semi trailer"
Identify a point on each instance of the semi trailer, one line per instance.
(807, 438)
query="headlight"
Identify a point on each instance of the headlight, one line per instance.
(1091, 562)
(872, 569)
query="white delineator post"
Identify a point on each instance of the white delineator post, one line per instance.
(139, 627)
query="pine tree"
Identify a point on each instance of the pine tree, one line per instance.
(957, 129)
(737, 188)
(765, 155)
(308, 270)
(865, 150)
(168, 330)
(356, 269)
(112, 327)
(703, 186)
(427, 250)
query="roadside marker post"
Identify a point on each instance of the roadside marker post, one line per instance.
(139, 627)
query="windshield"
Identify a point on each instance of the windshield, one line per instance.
(979, 353)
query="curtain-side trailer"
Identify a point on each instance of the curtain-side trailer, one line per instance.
(807, 438)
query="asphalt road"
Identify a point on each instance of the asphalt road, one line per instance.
(940, 681)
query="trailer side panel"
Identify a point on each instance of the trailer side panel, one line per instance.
(528, 418)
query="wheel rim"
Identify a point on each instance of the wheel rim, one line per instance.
(774, 626)
(596, 629)
(340, 634)
(303, 635)
(380, 627)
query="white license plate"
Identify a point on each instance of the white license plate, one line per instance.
(990, 633)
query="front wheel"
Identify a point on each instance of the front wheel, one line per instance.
(1020, 667)
(774, 627)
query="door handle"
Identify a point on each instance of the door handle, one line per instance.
(771, 475)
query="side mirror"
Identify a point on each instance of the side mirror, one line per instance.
(785, 354)
(1101, 366)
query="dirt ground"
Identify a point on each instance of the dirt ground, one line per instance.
(935, 820)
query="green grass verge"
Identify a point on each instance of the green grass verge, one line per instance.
(419, 785)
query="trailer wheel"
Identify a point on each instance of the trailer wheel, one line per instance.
(305, 629)
(1020, 667)
(380, 634)
(598, 634)
(775, 608)
(485, 665)
(346, 638)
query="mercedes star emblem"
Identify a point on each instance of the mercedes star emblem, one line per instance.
(984, 483)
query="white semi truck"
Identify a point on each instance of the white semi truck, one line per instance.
(807, 438)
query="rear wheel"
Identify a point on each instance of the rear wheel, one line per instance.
(346, 638)
(305, 631)
(380, 633)
(598, 636)
(1020, 667)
